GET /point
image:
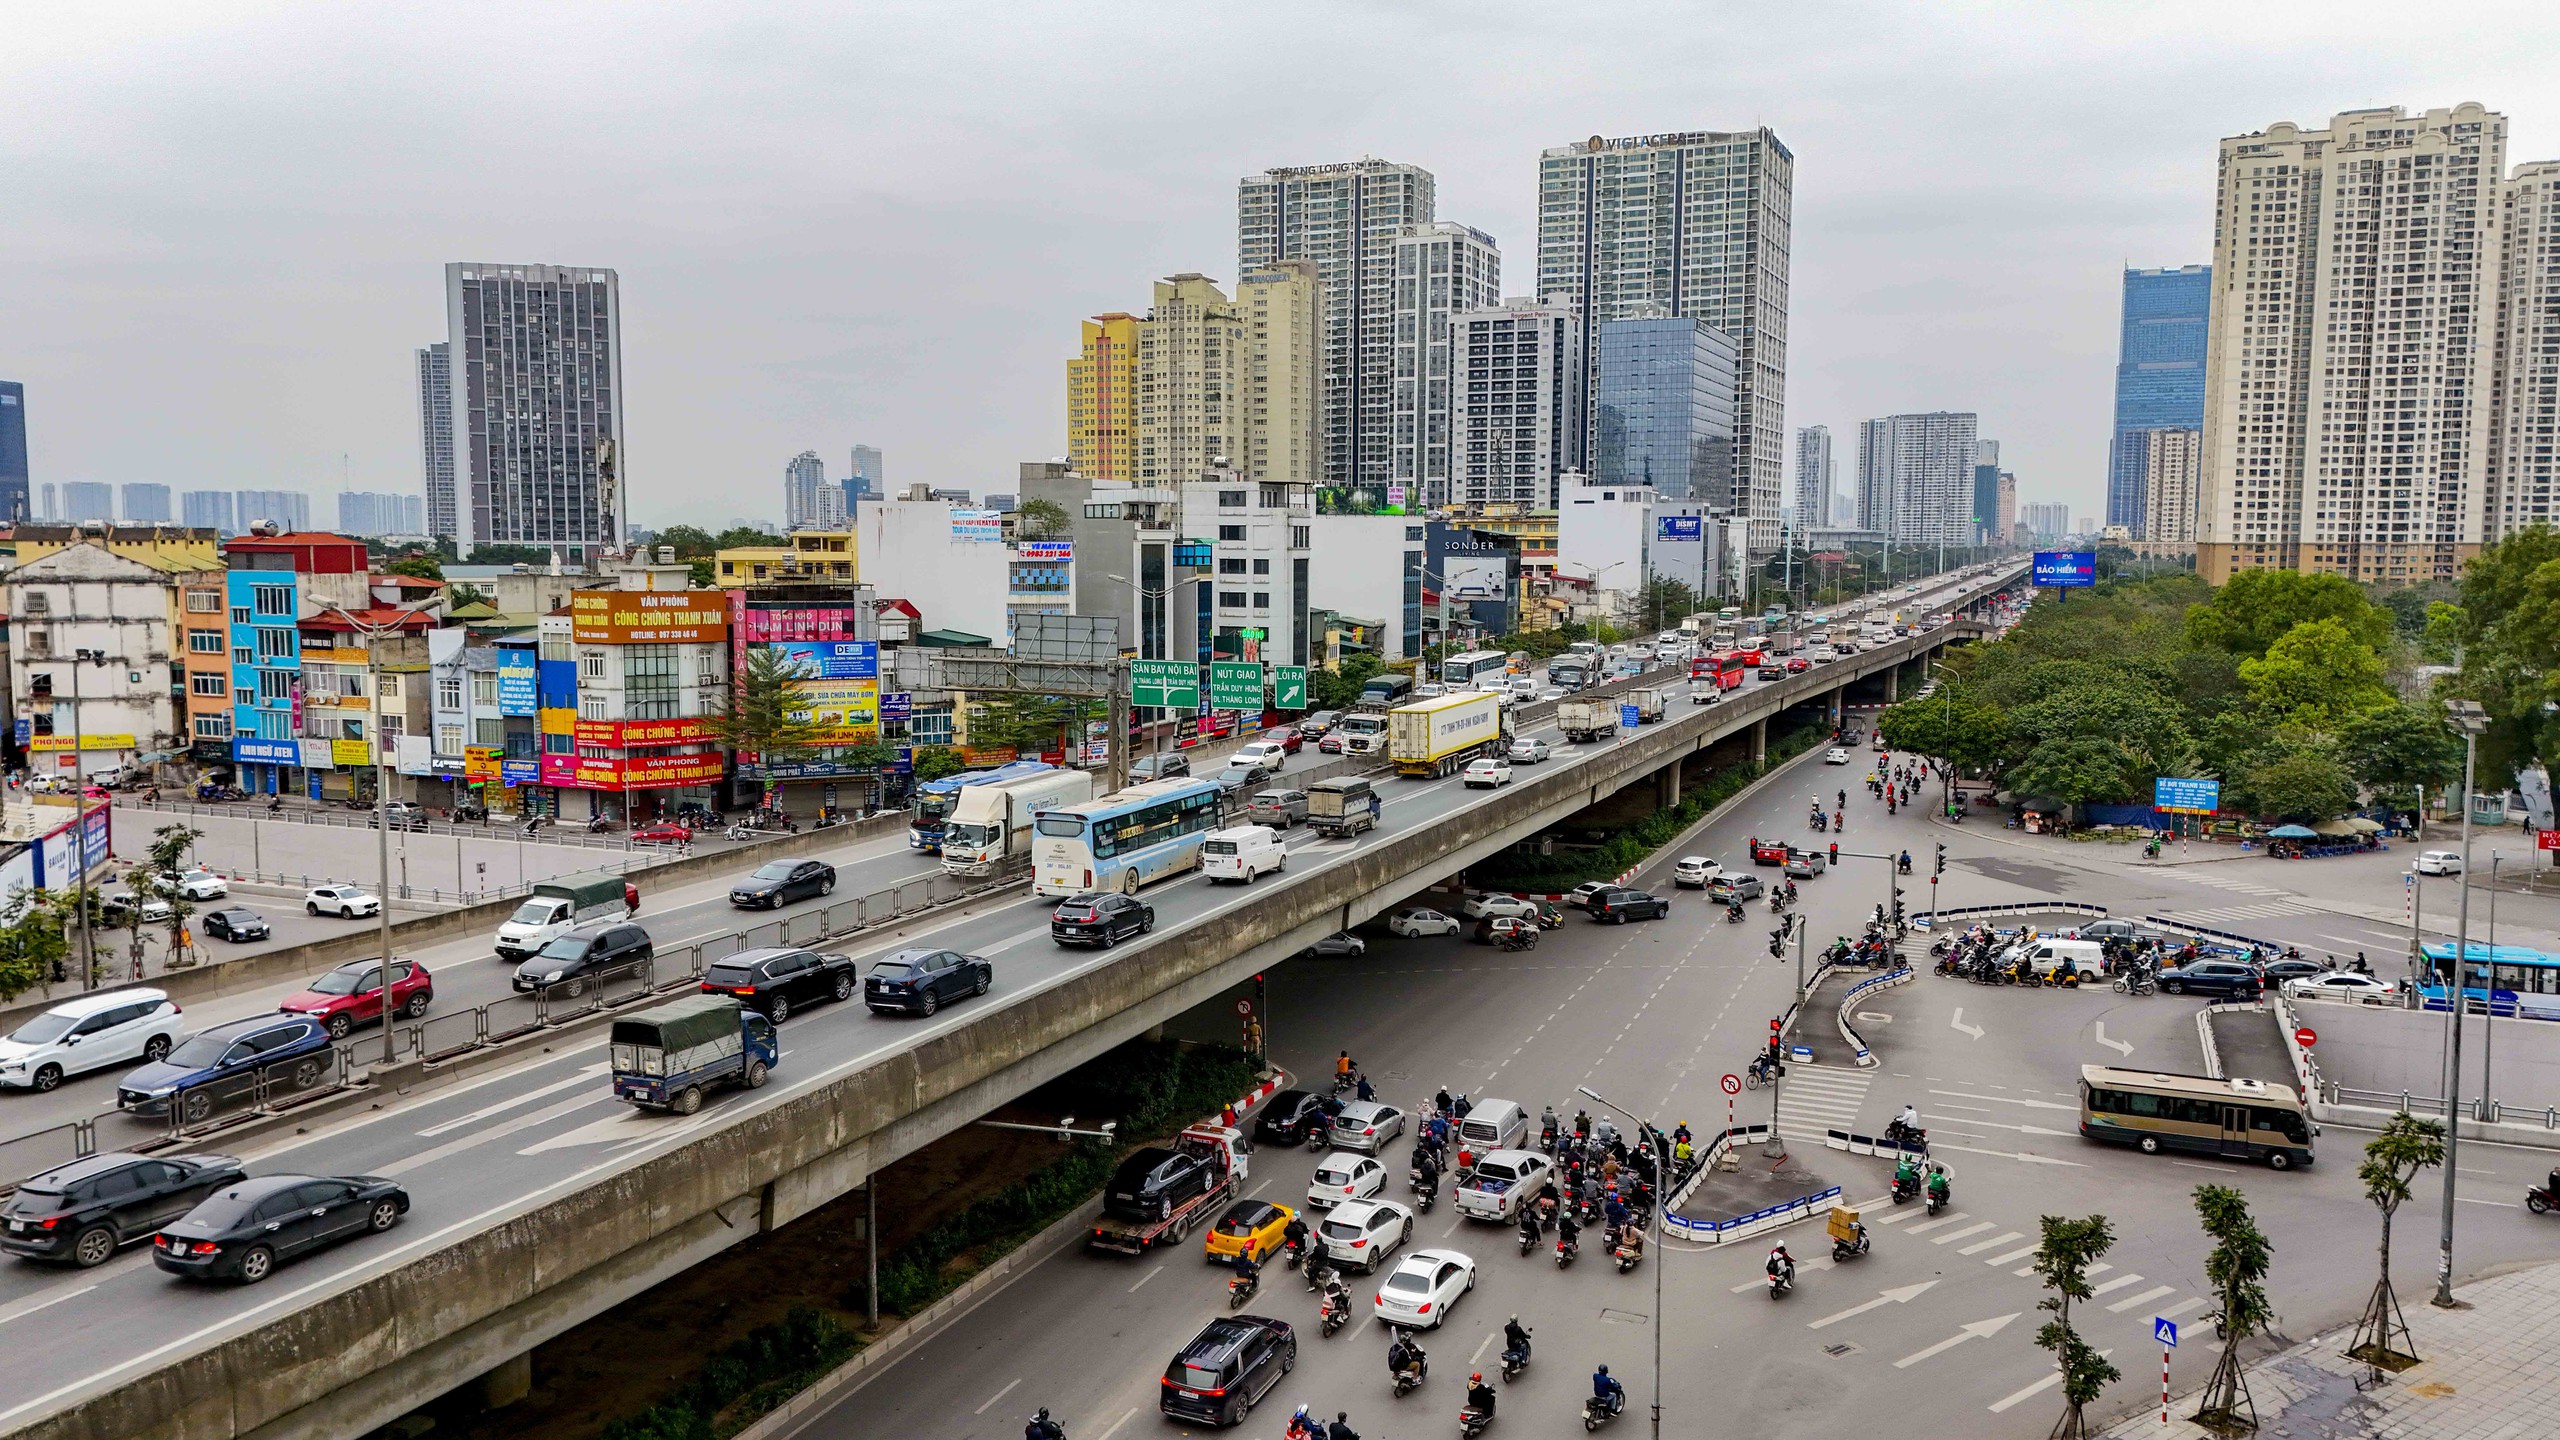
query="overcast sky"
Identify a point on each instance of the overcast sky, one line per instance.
(225, 225)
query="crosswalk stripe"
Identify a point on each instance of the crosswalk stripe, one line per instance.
(2021, 1253)
(1979, 1246)
(1934, 1224)
(2117, 1283)
(2135, 1302)
(2030, 1392)
(2182, 1307)
(1895, 1217)
(1975, 1228)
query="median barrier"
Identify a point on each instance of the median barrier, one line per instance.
(1930, 920)
(1860, 991)
(1740, 1227)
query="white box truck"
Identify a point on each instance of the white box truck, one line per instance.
(1437, 736)
(1650, 704)
(555, 905)
(1582, 720)
(990, 828)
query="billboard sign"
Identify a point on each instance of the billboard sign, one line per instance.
(2066, 569)
(481, 762)
(1052, 550)
(1474, 573)
(1680, 527)
(1289, 687)
(1169, 684)
(618, 734)
(647, 617)
(2186, 797)
(248, 750)
(977, 527)
(840, 712)
(516, 688)
(520, 772)
(1235, 684)
(897, 707)
(833, 659)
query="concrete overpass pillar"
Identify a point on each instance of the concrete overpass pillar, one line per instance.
(1666, 786)
(1760, 737)
(1835, 706)
(1892, 684)
(507, 1384)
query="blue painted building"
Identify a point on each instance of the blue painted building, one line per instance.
(2159, 374)
(1663, 409)
(13, 452)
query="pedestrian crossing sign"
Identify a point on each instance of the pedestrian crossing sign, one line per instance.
(2165, 1331)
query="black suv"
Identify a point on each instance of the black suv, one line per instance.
(1618, 905)
(88, 1209)
(1233, 1362)
(582, 953)
(920, 980)
(2234, 978)
(1284, 1117)
(1155, 1182)
(1100, 917)
(774, 982)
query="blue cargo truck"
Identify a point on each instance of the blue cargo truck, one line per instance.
(665, 1058)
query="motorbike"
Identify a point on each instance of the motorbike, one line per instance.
(1411, 1377)
(1897, 1133)
(1781, 1281)
(1733, 913)
(1528, 1233)
(2137, 982)
(1334, 1318)
(1295, 1250)
(1903, 864)
(2543, 1199)
(1777, 902)
(1523, 938)
(1546, 1211)
(1939, 1195)
(1849, 1249)
(1627, 1258)
(1903, 1189)
(1565, 1251)
(1513, 1362)
(597, 825)
(1242, 1288)
(1597, 1412)
(1343, 1083)
(1472, 1423)
(1319, 1131)
(1317, 1271)
(1549, 917)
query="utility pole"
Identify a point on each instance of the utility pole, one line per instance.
(80, 818)
(2471, 718)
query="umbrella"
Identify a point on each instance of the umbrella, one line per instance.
(2334, 828)
(2362, 826)
(2293, 832)
(2044, 805)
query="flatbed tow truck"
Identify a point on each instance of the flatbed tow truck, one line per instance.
(1225, 1149)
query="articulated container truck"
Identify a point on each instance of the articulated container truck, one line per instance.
(990, 828)
(1438, 736)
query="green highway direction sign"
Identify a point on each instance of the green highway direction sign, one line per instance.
(1289, 687)
(1171, 684)
(1235, 685)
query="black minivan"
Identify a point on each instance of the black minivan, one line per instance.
(1233, 1362)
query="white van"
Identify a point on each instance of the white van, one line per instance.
(1242, 852)
(1494, 1125)
(2086, 956)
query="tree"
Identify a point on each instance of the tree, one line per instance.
(421, 567)
(2143, 727)
(741, 537)
(2318, 676)
(1662, 602)
(1040, 519)
(2237, 1266)
(2509, 631)
(2072, 769)
(763, 714)
(1340, 689)
(2259, 607)
(1025, 722)
(33, 946)
(703, 574)
(938, 762)
(690, 541)
(2064, 1254)
(1949, 726)
(463, 592)
(2301, 785)
(2392, 1161)
(540, 555)
(2395, 750)
(168, 853)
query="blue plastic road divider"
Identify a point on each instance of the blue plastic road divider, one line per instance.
(1720, 1232)
(1926, 919)
(1859, 992)
(1872, 1145)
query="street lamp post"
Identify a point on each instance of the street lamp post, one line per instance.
(373, 631)
(1120, 742)
(1661, 1203)
(80, 820)
(2471, 719)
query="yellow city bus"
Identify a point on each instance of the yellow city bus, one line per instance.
(2234, 1118)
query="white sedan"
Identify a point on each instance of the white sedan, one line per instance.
(1342, 1176)
(1835, 756)
(1420, 1291)
(1488, 774)
(195, 884)
(2439, 862)
(1361, 1234)
(1416, 923)
(344, 901)
(1494, 905)
(1367, 1126)
(1526, 751)
(2348, 985)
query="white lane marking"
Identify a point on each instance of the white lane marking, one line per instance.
(2181, 1308)
(1957, 1021)
(2501, 1204)
(992, 1399)
(1481, 1346)
(2121, 1047)
(1143, 1279)
(2136, 1302)
(424, 1158)
(1894, 1217)
(2018, 1397)
(583, 1077)
(2006, 1100)
(34, 1303)
(1903, 1296)
(1934, 1224)
(1978, 1246)
(1979, 1329)
(2021, 1156)
(1133, 1414)
(2021, 1253)
(1975, 1228)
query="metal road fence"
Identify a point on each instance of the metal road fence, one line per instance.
(345, 818)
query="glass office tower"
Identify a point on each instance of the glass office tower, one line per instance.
(1663, 409)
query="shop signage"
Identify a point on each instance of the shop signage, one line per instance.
(42, 743)
(629, 734)
(480, 762)
(646, 617)
(516, 690)
(520, 772)
(841, 712)
(249, 751)
(834, 659)
(354, 754)
(1048, 550)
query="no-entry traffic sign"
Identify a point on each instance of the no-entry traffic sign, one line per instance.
(2306, 1037)
(1732, 1084)
(1244, 1007)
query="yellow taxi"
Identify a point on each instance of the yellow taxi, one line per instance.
(1250, 1227)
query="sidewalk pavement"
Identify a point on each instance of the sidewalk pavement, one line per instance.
(2492, 1370)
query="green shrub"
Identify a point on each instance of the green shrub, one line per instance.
(771, 1364)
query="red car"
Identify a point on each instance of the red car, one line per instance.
(352, 993)
(1288, 739)
(1798, 665)
(1768, 852)
(662, 835)
(1331, 744)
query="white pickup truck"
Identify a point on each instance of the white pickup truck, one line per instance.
(1503, 1182)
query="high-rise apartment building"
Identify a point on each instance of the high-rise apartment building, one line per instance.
(14, 502)
(288, 510)
(2524, 472)
(367, 512)
(1441, 269)
(88, 500)
(1986, 488)
(808, 501)
(1517, 409)
(1282, 310)
(2160, 354)
(146, 503)
(1102, 400)
(868, 466)
(1920, 470)
(207, 510)
(435, 435)
(2172, 461)
(1817, 477)
(2351, 349)
(2005, 510)
(1190, 381)
(1346, 219)
(48, 504)
(1699, 224)
(1663, 396)
(2049, 520)
(537, 404)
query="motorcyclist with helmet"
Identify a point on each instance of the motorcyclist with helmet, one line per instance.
(1606, 1389)
(1041, 1427)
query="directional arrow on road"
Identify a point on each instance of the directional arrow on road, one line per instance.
(2121, 1047)
(1975, 1331)
(1903, 1296)
(1957, 1020)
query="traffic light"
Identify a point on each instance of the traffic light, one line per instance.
(1778, 943)
(1777, 1046)
(1942, 860)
